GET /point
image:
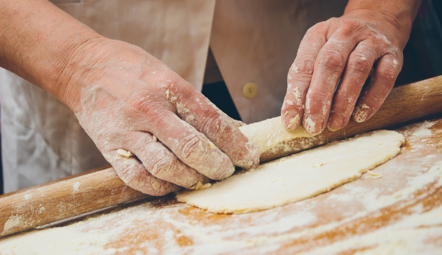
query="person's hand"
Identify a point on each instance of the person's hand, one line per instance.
(148, 122)
(343, 49)
(129, 101)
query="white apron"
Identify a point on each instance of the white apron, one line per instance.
(252, 41)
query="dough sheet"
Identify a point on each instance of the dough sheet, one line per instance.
(299, 176)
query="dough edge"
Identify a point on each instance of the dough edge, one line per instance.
(183, 196)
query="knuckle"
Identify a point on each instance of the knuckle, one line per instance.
(333, 60)
(191, 148)
(360, 64)
(137, 178)
(168, 79)
(387, 73)
(162, 164)
(332, 19)
(317, 27)
(329, 22)
(213, 123)
(129, 175)
(181, 87)
(303, 66)
(171, 78)
(348, 27)
(139, 102)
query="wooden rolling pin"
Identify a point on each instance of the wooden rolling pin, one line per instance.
(70, 197)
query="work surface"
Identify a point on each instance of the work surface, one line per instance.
(400, 213)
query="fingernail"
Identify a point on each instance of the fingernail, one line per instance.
(313, 124)
(291, 120)
(335, 121)
(294, 123)
(361, 114)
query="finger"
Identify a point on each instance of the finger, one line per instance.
(191, 146)
(356, 73)
(380, 86)
(329, 66)
(160, 162)
(205, 117)
(237, 123)
(133, 173)
(300, 75)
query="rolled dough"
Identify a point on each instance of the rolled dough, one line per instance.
(275, 134)
(299, 176)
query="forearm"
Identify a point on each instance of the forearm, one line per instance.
(399, 13)
(39, 42)
(124, 98)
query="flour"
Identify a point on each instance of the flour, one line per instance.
(275, 228)
(76, 186)
(88, 236)
(400, 238)
(268, 231)
(423, 130)
(310, 125)
(41, 210)
(12, 222)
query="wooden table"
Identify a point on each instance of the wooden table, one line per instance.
(399, 213)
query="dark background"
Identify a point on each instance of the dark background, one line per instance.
(423, 52)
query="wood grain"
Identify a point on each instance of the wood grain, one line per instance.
(65, 199)
(62, 200)
(399, 213)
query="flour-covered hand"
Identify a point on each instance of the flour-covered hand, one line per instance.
(343, 51)
(129, 101)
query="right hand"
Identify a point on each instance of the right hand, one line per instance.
(370, 35)
(126, 99)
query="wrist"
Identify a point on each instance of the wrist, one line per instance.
(399, 28)
(394, 16)
(76, 62)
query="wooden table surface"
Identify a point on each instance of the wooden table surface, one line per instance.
(399, 213)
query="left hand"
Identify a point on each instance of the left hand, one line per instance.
(344, 49)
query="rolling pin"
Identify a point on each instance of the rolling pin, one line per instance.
(101, 189)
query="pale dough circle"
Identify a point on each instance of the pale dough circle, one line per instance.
(299, 176)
